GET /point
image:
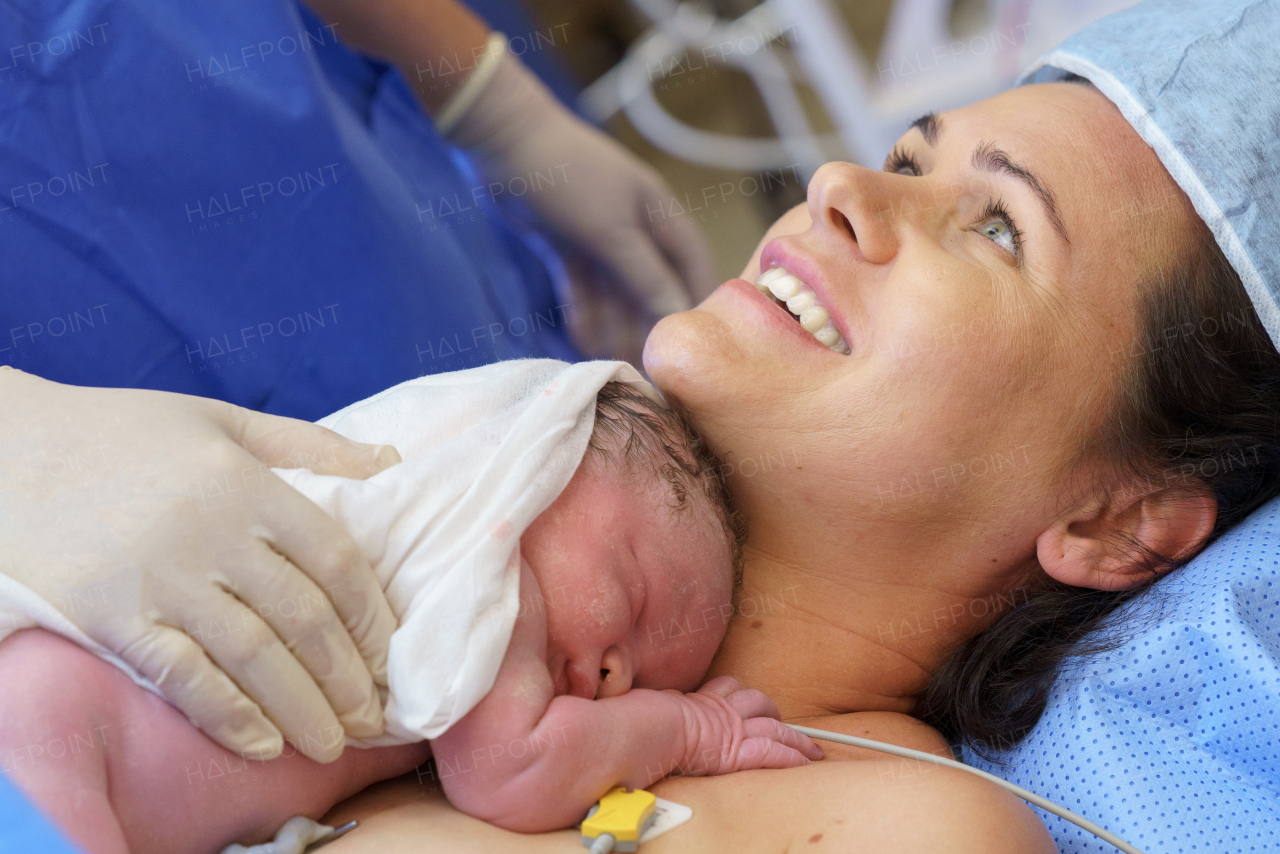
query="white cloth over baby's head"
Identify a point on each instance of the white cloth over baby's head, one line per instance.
(484, 452)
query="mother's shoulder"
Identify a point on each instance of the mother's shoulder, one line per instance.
(877, 807)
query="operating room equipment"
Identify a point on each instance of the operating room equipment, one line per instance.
(299, 835)
(332, 836)
(922, 67)
(618, 820)
(647, 823)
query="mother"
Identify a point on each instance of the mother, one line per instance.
(1045, 340)
(1010, 428)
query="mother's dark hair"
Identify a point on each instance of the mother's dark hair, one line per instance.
(1196, 407)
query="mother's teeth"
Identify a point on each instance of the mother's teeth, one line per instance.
(801, 301)
(813, 319)
(785, 287)
(828, 335)
(762, 282)
(771, 274)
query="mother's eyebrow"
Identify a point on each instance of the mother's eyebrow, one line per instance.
(988, 158)
(928, 125)
(991, 159)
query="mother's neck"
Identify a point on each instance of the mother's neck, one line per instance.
(822, 632)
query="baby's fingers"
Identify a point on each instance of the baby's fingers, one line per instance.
(762, 752)
(750, 703)
(783, 734)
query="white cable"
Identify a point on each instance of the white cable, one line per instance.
(1031, 797)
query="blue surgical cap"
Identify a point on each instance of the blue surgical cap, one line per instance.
(1200, 82)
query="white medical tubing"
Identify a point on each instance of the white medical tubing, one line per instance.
(1030, 797)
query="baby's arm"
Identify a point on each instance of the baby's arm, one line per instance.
(529, 761)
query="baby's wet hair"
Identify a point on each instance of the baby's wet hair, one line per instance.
(633, 429)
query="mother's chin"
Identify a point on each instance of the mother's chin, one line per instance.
(721, 359)
(730, 363)
(693, 358)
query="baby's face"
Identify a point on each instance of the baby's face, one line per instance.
(637, 593)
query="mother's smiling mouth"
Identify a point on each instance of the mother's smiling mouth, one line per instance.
(799, 299)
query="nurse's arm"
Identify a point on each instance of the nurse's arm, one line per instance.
(434, 43)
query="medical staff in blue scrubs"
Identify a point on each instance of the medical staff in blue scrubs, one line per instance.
(287, 208)
(23, 829)
(226, 199)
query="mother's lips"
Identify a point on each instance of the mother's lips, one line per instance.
(799, 299)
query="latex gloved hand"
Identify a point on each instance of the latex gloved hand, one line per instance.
(593, 193)
(153, 522)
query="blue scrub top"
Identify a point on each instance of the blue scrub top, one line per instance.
(216, 197)
(23, 829)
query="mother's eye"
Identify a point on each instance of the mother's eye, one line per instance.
(902, 162)
(998, 226)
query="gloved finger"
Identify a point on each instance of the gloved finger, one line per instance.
(766, 753)
(191, 681)
(325, 552)
(249, 652)
(289, 443)
(632, 257)
(780, 732)
(686, 251)
(604, 324)
(302, 616)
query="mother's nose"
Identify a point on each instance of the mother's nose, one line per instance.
(862, 205)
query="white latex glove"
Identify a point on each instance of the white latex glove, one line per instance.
(152, 521)
(594, 194)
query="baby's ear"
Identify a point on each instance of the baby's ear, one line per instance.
(1093, 544)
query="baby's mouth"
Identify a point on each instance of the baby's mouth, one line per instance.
(799, 299)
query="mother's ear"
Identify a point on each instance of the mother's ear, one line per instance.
(1092, 545)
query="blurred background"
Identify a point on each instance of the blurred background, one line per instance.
(681, 85)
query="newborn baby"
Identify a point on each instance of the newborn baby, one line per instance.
(626, 586)
(614, 601)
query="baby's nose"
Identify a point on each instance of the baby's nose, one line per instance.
(615, 674)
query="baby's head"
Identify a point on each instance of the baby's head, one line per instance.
(638, 557)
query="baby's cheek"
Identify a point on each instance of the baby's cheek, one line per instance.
(710, 641)
(687, 648)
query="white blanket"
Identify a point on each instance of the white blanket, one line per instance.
(484, 452)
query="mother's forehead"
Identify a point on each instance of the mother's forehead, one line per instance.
(1068, 125)
(1103, 175)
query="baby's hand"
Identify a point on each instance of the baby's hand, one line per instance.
(730, 728)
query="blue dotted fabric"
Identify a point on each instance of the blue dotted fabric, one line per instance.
(1172, 742)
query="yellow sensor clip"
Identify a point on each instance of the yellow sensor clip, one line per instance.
(618, 820)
